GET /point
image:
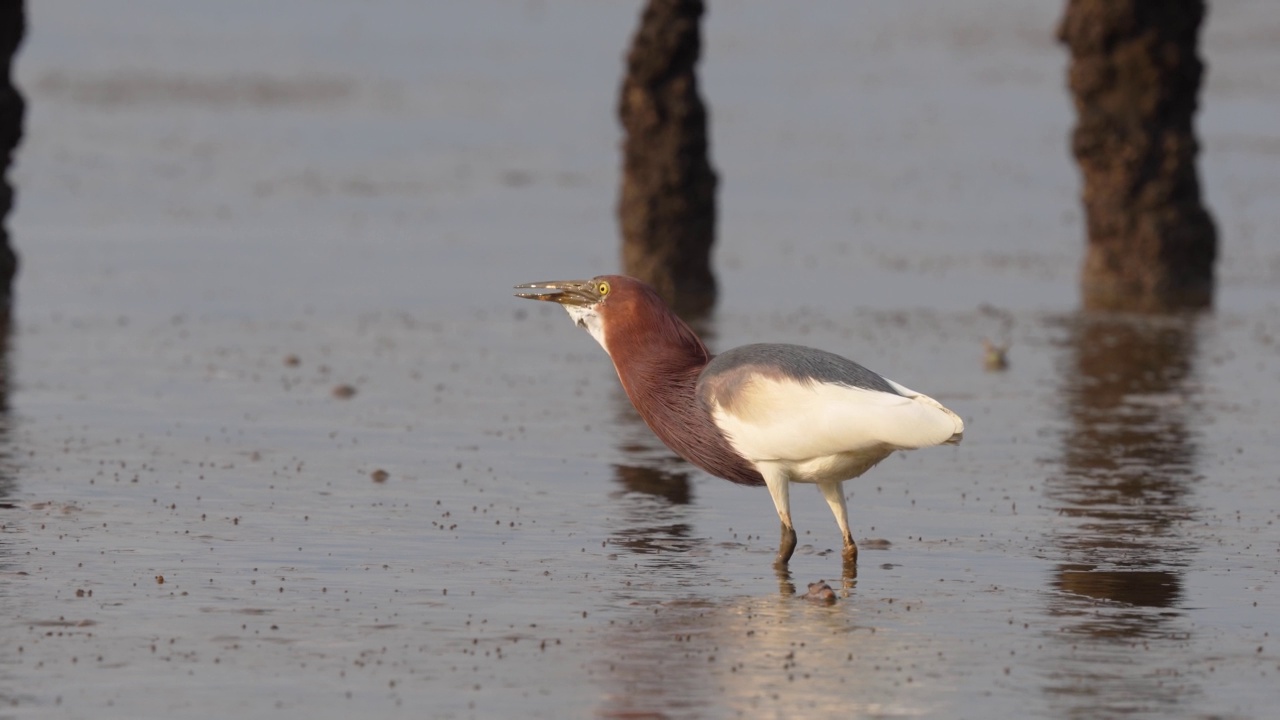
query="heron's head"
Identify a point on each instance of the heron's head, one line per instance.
(586, 301)
(617, 310)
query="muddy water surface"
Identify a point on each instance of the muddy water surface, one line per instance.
(278, 441)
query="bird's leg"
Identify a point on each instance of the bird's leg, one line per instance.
(834, 494)
(780, 490)
(786, 544)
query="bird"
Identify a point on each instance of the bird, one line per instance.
(763, 414)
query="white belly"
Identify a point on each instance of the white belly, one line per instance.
(833, 468)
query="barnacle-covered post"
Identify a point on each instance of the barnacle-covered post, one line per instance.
(1135, 76)
(12, 109)
(667, 205)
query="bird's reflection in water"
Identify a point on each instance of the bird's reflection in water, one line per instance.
(1127, 474)
(673, 654)
(787, 585)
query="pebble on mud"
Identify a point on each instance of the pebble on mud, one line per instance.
(379, 475)
(820, 592)
(292, 361)
(342, 392)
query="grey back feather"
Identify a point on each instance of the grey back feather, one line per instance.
(797, 362)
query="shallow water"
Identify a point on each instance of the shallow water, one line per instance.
(225, 217)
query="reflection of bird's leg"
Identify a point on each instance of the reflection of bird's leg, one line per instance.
(785, 587)
(849, 573)
(834, 494)
(780, 490)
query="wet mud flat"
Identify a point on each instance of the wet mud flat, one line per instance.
(197, 526)
(277, 441)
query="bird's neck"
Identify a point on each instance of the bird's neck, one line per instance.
(662, 385)
(659, 368)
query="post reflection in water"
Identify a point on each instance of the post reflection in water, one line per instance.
(8, 477)
(655, 486)
(1128, 469)
(653, 498)
(8, 486)
(653, 521)
(654, 495)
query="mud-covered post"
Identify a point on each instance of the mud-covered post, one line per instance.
(1135, 76)
(13, 24)
(667, 206)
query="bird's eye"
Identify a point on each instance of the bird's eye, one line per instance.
(603, 289)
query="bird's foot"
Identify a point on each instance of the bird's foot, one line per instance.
(850, 553)
(850, 556)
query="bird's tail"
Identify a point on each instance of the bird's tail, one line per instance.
(958, 435)
(947, 420)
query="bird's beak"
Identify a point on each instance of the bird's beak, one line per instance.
(581, 293)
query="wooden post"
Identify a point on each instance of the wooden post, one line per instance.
(12, 109)
(1135, 76)
(667, 205)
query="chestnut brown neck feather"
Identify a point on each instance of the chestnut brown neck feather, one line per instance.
(658, 358)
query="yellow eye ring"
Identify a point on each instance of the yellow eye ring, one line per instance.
(603, 289)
